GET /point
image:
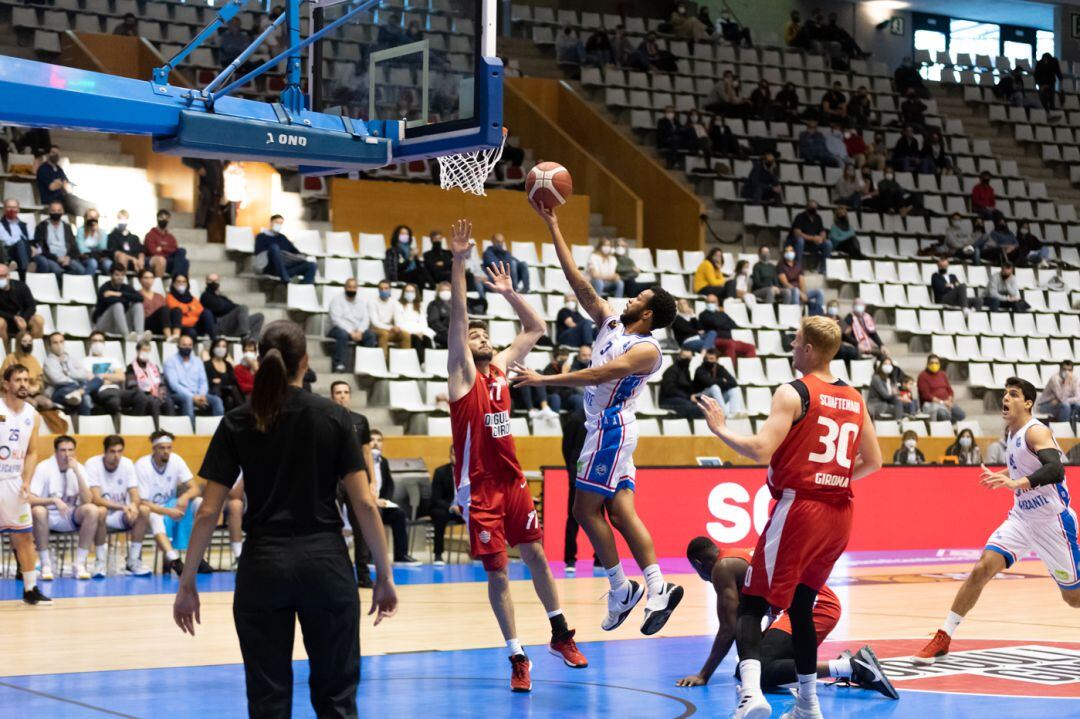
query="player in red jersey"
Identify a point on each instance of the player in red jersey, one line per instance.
(726, 570)
(817, 440)
(491, 487)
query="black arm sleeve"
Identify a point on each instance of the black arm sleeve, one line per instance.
(1051, 471)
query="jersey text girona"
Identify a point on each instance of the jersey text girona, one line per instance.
(817, 457)
(480, 422)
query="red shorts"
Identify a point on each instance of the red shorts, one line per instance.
(800, 545)
(500, 515)
(826, 615)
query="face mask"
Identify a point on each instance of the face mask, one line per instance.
(605, 250)
(212, 286)
(409, 296)
(933, 366)
(144, 357)
(96, 348)
(11, 214)
(181, 288)
(710, 306)
(27, 347)
(403, 238)
(384, 294)
(54, 157)
(276, 227)
(694, 118)
(965, 442)
(122, 226)
(444, 295)
(833, 311)
(250, 356)
(219, 352)
(55, 216)
(789, 256)
(682, 11)
(886, 369)
(1064, 374)
(572, 306)
(954, 223)
(184, 351)
(909, 444)
(350, 293)
(859, 309)
(683, 361)
(763, 258)
(620, 251)
(162, 224)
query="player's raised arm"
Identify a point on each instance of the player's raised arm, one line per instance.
(786, 406)
(640, 360)
(460, 367)
(533, 326)
(598, 309)
(869, 459)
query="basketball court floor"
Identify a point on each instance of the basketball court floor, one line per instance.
(109, 648)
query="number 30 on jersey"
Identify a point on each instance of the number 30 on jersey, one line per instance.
(835, 443)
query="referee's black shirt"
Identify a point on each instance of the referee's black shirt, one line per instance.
(290, 472)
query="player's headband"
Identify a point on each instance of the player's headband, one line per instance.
(162, 440)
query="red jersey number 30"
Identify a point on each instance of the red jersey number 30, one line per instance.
(835, 443)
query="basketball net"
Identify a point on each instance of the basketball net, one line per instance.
(469, 170)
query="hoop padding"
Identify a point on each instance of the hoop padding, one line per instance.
(469, 170)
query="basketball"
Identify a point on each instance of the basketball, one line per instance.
(550, 184)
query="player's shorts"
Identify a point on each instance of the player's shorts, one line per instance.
(65, 522)
(117, 520)
(499, 514)
(1054, 539)
(14, 510)
(606, 464)
(177, 530)
(800, 545)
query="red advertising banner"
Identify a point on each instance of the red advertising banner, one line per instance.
(896, 508)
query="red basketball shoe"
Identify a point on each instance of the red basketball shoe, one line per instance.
(938, 647)
(566, 648)
(520, 681)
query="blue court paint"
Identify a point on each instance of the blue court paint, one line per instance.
(632, 678)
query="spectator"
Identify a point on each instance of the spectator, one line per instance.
(934, 156)
(834, 104)
(624, 50)
(1000, 244)
(385, 316)
(210, 193)
(793, 284)
(723, 140)
(1031, 251)
(842, 235)
(92, 244)
(834, 142)
(906, 153)
(696, 136)
(964, 449)
(677, 389)
(602, 270)
(812, 147)
(119, 308)
(166, 255)
(54, 249)
(444, 507)
(413, 321)
(709, 275)
(572, 328)
(124, 247)
(909, 452)
(731, 30)
(14, 237)
(996, 453)
(186, 312)
(792, 28)
(907, 78)
(958, 241)
(913, 111)
(128, 27)
(1047, 75)
(669, 136)
(112, 398)
(18, 309)
(907, 393)
(438, 314)
(686, 26)
(68, 382)
(860, 108)
(650, 58)
(936, 394)
(883, 400)
(787, 103)
(1003, 292)
(739, 287)
(946, 288)
(23, 353)
(159, 319)
(808, 234)
(598, 49)
(762, 103)
(438, 259)
(983, 201)
(1061, 397)
(860, 330)
(145, 381)
(230, 319)
(393, 516)
(763, 184)
(891, 198)
(188, 386)
(519, 271)
(715, 319)
(54, 185)
(877, 156)
(713, 379)
(220, 375)
(726, 98)
(559, 398)
(248, 365)
(569, 49)
(275, 254)
(848, 190)
(809, 35)
(687, 329)
(847, 351)
(627, 269)
(764, 277)
(232, 42)
(856, 147)
(832, 32)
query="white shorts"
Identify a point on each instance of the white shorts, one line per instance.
(1053, 539)
(606, 464)
(62, 522)
(116, 520)
(14, 510)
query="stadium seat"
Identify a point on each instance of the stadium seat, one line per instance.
(79, 289)
(887, 428)
(405, 363)
(75, 321)
(438, 426)
(648, 428)
(371, 362)
(941, 428)
(405, 396)
(96, 424)
(676, 428)
(303, 298)
(239, 239)
(372, 245)
(131, 426)
(340, 244)
(206, 425)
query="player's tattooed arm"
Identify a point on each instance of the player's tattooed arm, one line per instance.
(460, 367)
(598, 309)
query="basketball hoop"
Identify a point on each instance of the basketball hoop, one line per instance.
(469, 170)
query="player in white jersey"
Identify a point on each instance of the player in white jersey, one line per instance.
(624, 356)
(167, 490)
(115, 488)
(1040, 519)
(19, 424)
(60, 501)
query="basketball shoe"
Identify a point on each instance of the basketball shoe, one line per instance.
(866, 672)
(659, 608)
(804, 710)
(620, 603)
(752, 706)
(938, 647)
(566, 649)
(520, 679)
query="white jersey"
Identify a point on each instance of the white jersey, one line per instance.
(16, 428)
(1046, 502)
(114, 485)
(49, 482)
(614, 402)
(159, 485)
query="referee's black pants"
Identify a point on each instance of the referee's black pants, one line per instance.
(278, 580)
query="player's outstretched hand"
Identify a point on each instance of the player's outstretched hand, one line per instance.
(714, 413)
(524, 376)
(499, 280)
(694, 680)
(461, 242)
(546, 214)
(997, 480)
(186, 609)
(383, 600)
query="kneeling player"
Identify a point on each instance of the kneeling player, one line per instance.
(726, 570)
(60, 501)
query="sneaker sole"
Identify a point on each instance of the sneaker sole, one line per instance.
(656, 620)
(892, 694)
(639, 592)
(927, 661)
(763, 713)
(556, 653)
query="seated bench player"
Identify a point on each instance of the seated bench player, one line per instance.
(115, 488)
(167, 489)
(234, 519)
(60, 501)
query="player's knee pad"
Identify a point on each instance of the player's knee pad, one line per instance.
(494, 562)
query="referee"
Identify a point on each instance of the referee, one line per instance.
(292, 447)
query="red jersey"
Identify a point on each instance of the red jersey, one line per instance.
(736, 553)
(480, 422)
(826, 615)
(817, 457)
